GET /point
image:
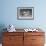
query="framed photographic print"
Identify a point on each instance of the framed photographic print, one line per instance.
(25, 13)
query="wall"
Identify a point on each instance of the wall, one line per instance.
(8, 13)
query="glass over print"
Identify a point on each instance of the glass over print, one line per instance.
(25, 13)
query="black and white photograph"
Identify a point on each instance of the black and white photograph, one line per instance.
(25, 13)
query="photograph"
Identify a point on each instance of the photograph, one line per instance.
(25, 13)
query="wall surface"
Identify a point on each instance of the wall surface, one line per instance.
(8, 13)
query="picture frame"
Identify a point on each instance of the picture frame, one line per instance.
(25, 13)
